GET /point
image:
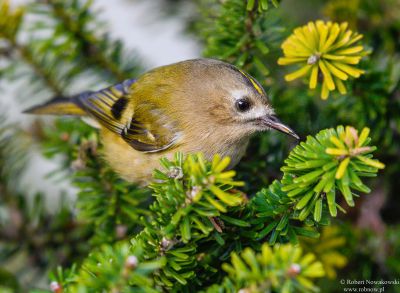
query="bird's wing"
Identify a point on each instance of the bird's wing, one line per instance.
(145, 128)
(150, 129)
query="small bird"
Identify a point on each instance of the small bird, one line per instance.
(199, 105)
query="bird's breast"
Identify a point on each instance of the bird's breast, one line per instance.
(215, 142)
(137, 166)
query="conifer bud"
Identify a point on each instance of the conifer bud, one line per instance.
(175, 173)
(131, 262)
(294, 270)
(166, 243)
(55, 287)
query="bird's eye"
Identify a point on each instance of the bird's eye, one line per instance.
(243, 105)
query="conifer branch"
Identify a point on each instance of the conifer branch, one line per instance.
(199, 232)
(315, 171)
(245, 35)
(41, 71)
(28, 231)
(106, 203)
(10, 26)
(75, 21)
(188, 192)
(283, 269)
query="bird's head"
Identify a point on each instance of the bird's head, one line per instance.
(236, 100)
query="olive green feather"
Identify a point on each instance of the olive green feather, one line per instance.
(146, 129)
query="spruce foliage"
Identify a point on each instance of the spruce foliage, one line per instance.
(269, 226)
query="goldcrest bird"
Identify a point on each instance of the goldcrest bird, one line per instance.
(200, 105)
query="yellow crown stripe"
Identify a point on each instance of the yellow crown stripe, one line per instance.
(253, 82)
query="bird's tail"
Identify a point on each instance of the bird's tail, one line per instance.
(58, 106)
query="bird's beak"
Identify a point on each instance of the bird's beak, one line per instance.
(273, 122)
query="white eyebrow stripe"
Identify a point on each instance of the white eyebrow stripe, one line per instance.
(238, 94)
